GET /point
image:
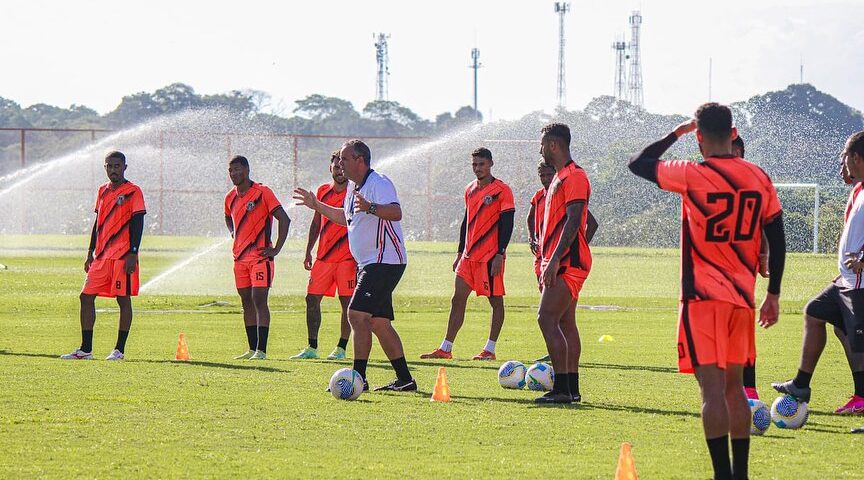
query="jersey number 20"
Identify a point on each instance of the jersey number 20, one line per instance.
(749, 206)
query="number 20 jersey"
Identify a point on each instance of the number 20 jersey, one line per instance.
(725, 203)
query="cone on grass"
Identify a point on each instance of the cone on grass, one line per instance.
(626, 465)
(182, 348)
(441, 392)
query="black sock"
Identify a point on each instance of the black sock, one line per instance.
(343, 343)
(858, 377)
(360, 367)
(122, 335)
(401, 367)
(574, 383)
(561, 383)
(252, 336)
(802, 380)
(719, 450)
(87, 341)
(750, 376)
(740, 456)
(313, 343)
(262, 338)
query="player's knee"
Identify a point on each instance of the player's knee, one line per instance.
(259, 300)
(312, 302)
(358, 321)
(87, 298)
(813, 323)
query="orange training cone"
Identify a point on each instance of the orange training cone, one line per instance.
(182, 348)
(626, 466)
(441, 392)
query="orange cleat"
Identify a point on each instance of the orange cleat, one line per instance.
(484, 355)
(437, 353)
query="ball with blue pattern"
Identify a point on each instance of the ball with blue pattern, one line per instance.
(512, 374)
(540, 377)
(346, 384)
(788, 412)
(760, 416)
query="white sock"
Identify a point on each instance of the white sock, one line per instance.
(447, 345)
(490, 346)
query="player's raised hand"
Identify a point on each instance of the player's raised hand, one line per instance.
(88, 262)
(307, 262)
(305, 197)
(131, 262)
(770, 311)
(686, 127)
(853, 263)
(497, 265)
(360, 203)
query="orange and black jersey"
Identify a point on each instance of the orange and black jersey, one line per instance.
(252, 217)
(115, 209)
(484, 208)
(539, 203)
(569, 186)
(332, 237)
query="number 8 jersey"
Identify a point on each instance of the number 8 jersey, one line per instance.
(725, 203)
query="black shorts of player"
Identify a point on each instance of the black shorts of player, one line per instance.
(838, 306)
(374, 291)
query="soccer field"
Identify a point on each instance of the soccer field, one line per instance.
(152, 417)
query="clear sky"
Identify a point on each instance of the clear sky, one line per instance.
(94, 52)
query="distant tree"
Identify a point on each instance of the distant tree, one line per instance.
(11, 115)
(235, 101)
(318, 107)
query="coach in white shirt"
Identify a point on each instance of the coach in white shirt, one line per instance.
(372, 213)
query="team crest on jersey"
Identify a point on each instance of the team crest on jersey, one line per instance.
(121, 199)
(250, 206)
(487, 199)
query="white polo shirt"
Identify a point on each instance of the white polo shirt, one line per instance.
(852, 239)
(372, 239)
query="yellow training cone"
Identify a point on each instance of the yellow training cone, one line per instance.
(626, 466)
(606, 338)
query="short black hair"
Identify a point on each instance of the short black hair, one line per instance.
(482, 152)
(856, 144)
(334, 156)
(714, 120)
(739, 142)
(239, 159)
(116, 154)
(360, 148)
(559, 131)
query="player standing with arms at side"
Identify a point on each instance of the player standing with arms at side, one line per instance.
(112, 258)
(249, 211)
(727, 202)
(536, 213)
(483, 238)
(334, 268)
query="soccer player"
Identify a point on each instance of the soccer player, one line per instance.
(727, 202)
(842, 302)
(249, 212)
(536, 213)
(112, 258)
(486, 230)
(334, 268)
(565, 264)
(372, 214)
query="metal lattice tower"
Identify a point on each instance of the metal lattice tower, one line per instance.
(620, 89)
(383, 59)
(635, 91)
(561, 9)
(475, 65)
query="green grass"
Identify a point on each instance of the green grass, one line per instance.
(213, 417)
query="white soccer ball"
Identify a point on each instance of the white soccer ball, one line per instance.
(788, 412)
(760, 416)
(346, 384)
(540, 377)
(512, 374)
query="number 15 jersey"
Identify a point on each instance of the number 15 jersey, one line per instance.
(725, 203)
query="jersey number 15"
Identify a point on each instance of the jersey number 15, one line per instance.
(747, 203)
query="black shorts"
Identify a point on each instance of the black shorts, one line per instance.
(374, 291)
(842, 308)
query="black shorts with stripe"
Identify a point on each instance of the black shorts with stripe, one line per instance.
(374, 291)
(843, 308)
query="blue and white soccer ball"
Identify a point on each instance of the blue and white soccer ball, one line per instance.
(760, 416)
(788, 412)
(512, 374)
(346, 384)
(540, 377)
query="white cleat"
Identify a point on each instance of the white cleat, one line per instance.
(78, 354)
(115, 355)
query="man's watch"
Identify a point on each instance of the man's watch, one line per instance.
(373, 209)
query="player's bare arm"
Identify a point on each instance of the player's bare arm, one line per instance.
(462, 232)
(392, 212)
(590, 227)
(91, 248)
(284, 223)
(568, 235)
(314, 228)
(644, 163)
(532, 235)
(307, 198)
(230, 224)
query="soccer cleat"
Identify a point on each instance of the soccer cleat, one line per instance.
(115, 355)
(306, 353)
(555, 397)
(855, 406)
(577, 398)
(437, 353)
(246, 355)
(258, 355)
(484, 355)
(544, 358)
(337, 354)
(78, 354)
(789, 388)
(751, 392)
(399, 386)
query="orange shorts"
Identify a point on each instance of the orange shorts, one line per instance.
(326, 278)
(256, 273)
(537, 270)
(574, 278)
(715, 332)
(476, 275)
(108, 278)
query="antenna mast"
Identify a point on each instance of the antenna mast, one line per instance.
(383, 60)
(561, 9)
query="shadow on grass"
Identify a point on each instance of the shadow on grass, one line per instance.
(229, 366)
(614, 366)
(384, 364)
(28, 354)
(647, 410)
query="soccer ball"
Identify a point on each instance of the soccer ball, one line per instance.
(788, 412)
(540, 377)
(512, 374)
(760, 417)
(346, 384)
